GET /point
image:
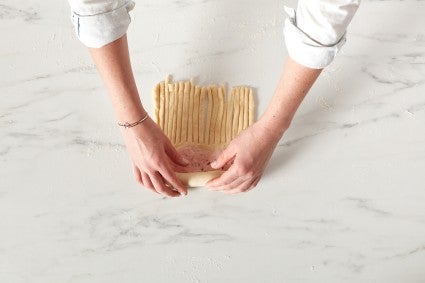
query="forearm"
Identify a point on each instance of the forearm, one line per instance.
(294, 83)
(113, 64)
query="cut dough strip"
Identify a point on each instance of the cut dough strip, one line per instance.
(164, 105)
(185, 112)
(236, 106)
(245, 108)
(241, 109)
(201, 118)
(218, 134)
(229, 116)
(156, 93)
(214, 115)
(180, 112)
(251, 108)
(209, 115)
(173, 112)
(161, 105)
(190, 113)
(196, 114)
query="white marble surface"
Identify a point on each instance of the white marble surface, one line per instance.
(343, 199)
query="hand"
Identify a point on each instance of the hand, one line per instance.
(250, 152)
(152, 156)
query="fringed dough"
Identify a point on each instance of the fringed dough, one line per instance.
(192, 115)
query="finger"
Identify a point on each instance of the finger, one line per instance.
(147, 182)
(172, 179)
(160, 187)
(228, 177)
(253, 185)
(224, 157)
(243, 187)
(137, 175)
(174, 155)
(143, 179)
(256, 182)
(230, 186)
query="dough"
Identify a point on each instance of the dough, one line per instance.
(236, 109)
(201, 116)
(229, 117)
(198, 179)
(207, 129)
(200, 157)
(199, 171)
(200, 122)
(196, 114)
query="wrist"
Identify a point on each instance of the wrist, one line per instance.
(274, 124)
(133, 124)
(140, 130)
(129, 112)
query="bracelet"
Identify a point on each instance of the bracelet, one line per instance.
(128, 125)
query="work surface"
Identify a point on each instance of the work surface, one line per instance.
(343, 199)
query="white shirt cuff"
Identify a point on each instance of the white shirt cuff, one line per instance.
(304, 49)
(100, 29)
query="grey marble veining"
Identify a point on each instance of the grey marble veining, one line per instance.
(341, 201)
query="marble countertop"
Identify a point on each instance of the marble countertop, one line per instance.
(343, 199)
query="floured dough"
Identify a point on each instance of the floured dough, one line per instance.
(200, 122)
(198, 179)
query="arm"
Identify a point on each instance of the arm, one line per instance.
(294, 84)
(151, 151)
(101, 25)
(252, 149)
(313, 36)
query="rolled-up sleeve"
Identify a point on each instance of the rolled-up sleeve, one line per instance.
(99, 22)
(316, 31)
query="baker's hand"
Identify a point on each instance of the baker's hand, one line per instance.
(153, 155)
(250, 152)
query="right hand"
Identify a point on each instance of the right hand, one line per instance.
(153, 155)
(248, 153)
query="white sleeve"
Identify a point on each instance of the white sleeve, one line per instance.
(316, 31)
(99, 22)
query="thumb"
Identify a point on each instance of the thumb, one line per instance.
(175, 156)
(224, 157)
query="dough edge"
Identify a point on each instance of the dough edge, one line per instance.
(198, 179)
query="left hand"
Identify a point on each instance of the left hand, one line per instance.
(250, 151)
